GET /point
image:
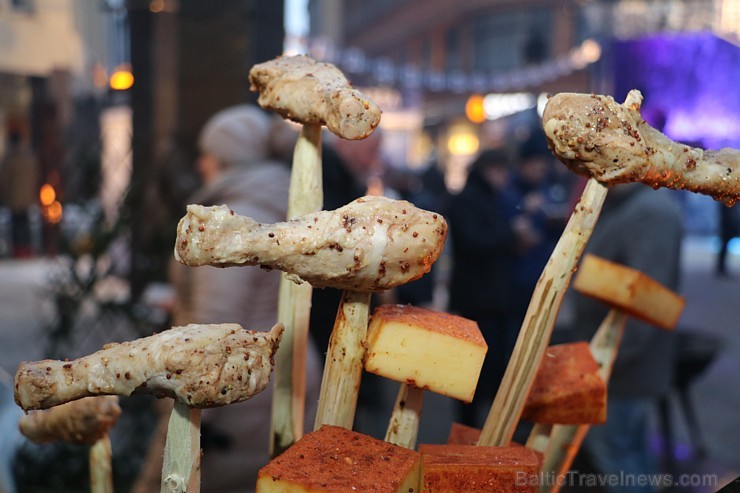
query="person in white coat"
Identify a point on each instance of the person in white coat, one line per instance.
(237, 167)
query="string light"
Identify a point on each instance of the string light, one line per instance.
(355, 62)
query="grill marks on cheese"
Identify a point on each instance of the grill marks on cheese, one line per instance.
(371, 244)
(199, 365)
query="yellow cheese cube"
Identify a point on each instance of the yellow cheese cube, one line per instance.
(630, 290)
(336, 460)
(425, 348)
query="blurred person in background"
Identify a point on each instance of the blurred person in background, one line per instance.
(541, 203)
(237, 168)
(485, 238)
(19, 186)
(641, 228)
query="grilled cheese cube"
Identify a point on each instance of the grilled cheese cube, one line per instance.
(425, 348)
(473, 469)
(567, 388)
(630, 290)
(337, 460)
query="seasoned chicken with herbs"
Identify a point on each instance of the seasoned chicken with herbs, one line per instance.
(597, 137)
(309, 92)
(199, 365)
(371, 244)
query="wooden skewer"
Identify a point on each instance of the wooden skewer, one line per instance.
(403, 427)
(560, 443)
(630, 293)
(101, 472)
(294, 300)
(181, 466)
(539, 320)
(340, 383)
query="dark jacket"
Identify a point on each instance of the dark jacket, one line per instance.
(640, 228)
(483, 247)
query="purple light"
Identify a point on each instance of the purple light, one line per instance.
(691, 80)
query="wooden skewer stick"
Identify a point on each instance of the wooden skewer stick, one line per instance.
(181, 467)
(294, 300)
(630, 293)
(603, 346)
(340, 383)
(560, 443)
(101, 472)
(403, 427)
(539, 320)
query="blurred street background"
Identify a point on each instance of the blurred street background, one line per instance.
(107, 98)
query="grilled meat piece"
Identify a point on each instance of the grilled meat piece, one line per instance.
(199, 365)
(371, 244)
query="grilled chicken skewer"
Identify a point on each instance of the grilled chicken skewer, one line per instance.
(369, 245)
(597, 137)
(80, 422)
(309, 92)
(198, 365)
(313, 94)
(85, 421)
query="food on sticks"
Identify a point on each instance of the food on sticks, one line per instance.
(629, 290)
(371, 244)
(567, 388)
(311, 92)
(84, 421)
(539, 320)
(461, 434)
(474, 469)
(560, 443)
(198, 365)
(424, 350)
(597, 137)
(333, 459)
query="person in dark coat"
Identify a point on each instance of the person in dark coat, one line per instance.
(485, 237)
(642, 229)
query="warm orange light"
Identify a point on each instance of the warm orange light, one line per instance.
(47, 195)
(156, 6)
(53, 212)
(474, 109)
(121, 80)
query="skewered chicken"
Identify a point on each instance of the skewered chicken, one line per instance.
(306, 91)
(84, 421)
(199, 365)
(597, 137)
(371, 244)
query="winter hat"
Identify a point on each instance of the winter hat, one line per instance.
(237, 136)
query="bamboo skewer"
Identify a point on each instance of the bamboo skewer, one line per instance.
(101, 472)
(560, 443)
(181, 466)
(340, 382)
(403, 427)
(294, 300)
(539, 320)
